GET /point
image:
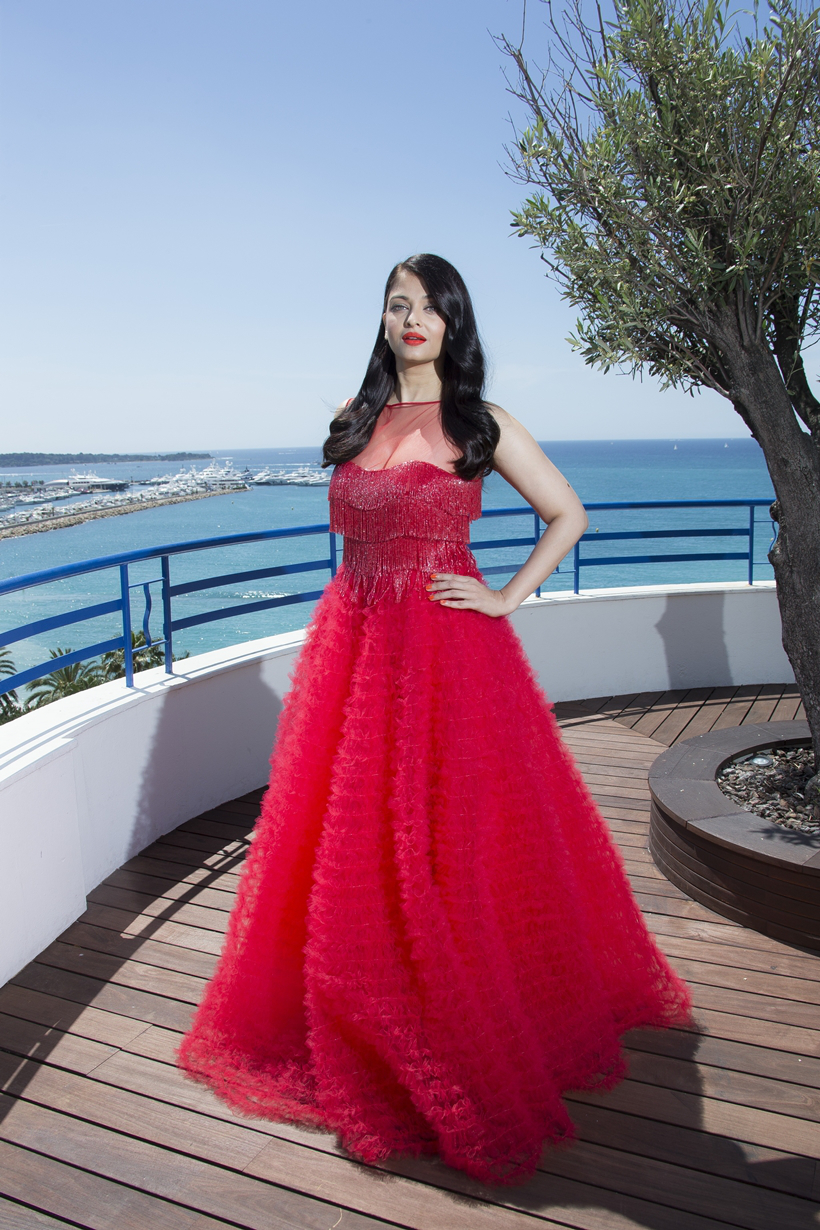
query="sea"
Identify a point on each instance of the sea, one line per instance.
(599, 470)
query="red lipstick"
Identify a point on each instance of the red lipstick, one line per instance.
(413, 339)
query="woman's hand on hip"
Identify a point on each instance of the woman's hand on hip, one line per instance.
(467, 593)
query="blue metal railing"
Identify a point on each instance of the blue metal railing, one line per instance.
(169, 591)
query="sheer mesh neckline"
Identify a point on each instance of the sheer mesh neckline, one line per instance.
(411, 461)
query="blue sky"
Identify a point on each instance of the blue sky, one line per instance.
(201, 200)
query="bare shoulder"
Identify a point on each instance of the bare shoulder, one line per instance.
(514, 435)
(499, 414)
(511, 429)
(342, 406)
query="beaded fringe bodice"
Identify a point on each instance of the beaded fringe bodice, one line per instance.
(401, 523)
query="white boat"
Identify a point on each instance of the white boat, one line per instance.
(93, 482)
(215, 477)
(301, 476)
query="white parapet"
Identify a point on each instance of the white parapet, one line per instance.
(609, 642)
(88, 782)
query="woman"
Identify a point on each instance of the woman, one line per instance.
(434, 936)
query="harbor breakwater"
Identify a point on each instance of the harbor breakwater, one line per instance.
(62, 521)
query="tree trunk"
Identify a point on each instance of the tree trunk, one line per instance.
(792, 458)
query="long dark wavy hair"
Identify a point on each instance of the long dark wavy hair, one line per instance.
(465, 419)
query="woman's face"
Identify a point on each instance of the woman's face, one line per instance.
(415, 331)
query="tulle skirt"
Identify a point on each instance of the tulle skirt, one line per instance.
(434, 936)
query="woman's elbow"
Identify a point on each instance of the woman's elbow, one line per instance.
(580, 519)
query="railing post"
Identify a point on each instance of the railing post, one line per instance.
(576, 564)
(332, 537)
(166, 614)
(751, 544)
(535, 538)
(128, 651)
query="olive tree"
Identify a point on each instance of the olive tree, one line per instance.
(674, 159)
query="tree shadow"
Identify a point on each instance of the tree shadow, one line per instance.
(644, 1153)
(692, 631)
(44, 1000)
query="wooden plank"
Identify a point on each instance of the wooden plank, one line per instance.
(149, 952)
(637, 707)
(761, 1007)
(786, 708)
(709, 712)
(724, 1053)
(152, 1079)
(625, 788)
(198, 842)
(157, 1043)
(180, 934)
(615, 705)
(724, 931)
(633, 824)
(58, 1013)
(572, 1203)
(114, 971)
(638, 814)
(86, 1199)
(14, 1216)
(629, 775)
(194, 859)
(744, 959)
(125, 1001)
(227, 1142)
(226, 830)
(176, 889)
(330, 1177)
(704, 1194)
(314, 1172)
(719, 1118)
(42, 1042)
(176, 873)
(239, 807)
(697, 1150)
(610, 740)
(675, 725)
(737, 709)
(149, 906)
(213, 1190)
(649, 722)
(736, 1027)
(682, 909)
(766, 703)
(727, 1085)
(794, 991)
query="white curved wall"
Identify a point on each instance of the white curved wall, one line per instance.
(88, 782)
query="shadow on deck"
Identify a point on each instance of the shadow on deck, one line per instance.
(714, 1127)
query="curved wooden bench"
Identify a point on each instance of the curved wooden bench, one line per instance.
(732, 861)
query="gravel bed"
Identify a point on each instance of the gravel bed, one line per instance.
(773, 787)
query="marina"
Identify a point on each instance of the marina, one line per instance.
(31, 509)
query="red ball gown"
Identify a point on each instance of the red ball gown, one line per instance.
(434, 936)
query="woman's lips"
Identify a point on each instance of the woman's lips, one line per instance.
(413, 339)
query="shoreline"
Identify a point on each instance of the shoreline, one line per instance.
(92, 514)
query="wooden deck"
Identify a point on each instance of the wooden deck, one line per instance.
(714, 1127)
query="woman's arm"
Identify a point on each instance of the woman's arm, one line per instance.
(520, 459)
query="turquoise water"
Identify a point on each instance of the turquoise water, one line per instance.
(599, 471)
